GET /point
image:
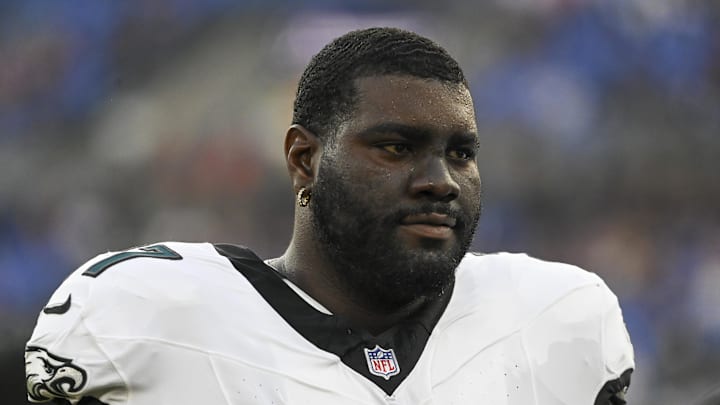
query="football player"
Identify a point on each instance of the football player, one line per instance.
(376, 299)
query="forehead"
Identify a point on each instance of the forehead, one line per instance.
(413, 101)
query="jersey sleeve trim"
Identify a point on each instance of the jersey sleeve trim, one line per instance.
(613, 392)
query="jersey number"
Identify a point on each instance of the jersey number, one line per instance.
(155, 251)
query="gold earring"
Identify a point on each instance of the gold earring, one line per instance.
(303, 197)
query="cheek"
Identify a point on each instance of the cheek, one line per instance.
(375, 179)
(470, 185)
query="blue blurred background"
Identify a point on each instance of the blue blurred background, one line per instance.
(126, 122)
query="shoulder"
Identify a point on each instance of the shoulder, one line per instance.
(178, 256)
(155, 272)
(570, 317)
(125, 305)
(522, 266)
(552, 299)
(115, 292)
(158, 266)
(533, 282)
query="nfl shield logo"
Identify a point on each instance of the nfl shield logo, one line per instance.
(382, 362)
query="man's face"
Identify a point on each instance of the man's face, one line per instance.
(397, 195)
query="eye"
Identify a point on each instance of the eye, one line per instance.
(461, 154)
(396, 148)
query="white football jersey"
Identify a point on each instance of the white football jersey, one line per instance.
(182, 323)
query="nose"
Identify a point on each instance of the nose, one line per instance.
(432, 179)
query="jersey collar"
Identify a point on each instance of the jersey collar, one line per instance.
(333, 333)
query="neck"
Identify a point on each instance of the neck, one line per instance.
(305, 265)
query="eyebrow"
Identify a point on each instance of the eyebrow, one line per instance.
(416, 132)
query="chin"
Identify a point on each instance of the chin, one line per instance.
(400, 275)
(416, 285)
(428, 271)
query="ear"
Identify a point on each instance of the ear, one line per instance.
(302, 154)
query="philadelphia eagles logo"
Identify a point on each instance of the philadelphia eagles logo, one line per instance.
(49, 376)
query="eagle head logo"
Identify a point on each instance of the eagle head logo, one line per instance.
(49, 376)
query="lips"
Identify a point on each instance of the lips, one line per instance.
(434, 226)
(433, 219)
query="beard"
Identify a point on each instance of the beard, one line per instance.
(358, 232)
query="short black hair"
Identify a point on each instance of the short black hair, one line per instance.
(326, 92)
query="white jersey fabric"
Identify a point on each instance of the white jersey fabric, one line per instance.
(181, 323)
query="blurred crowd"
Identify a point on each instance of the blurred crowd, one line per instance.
(126, 123)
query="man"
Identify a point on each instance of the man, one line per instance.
(375, 300)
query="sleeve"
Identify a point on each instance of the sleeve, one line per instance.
(582, 349)
(617, 354)
(63, 362)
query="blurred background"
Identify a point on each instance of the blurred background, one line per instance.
(126, 123)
